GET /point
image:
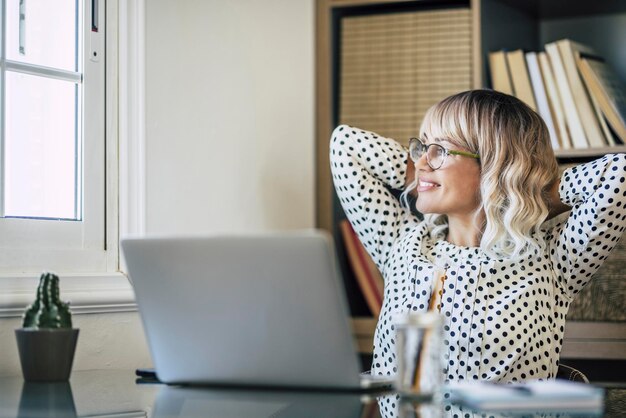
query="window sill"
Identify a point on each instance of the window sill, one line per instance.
(87, 293)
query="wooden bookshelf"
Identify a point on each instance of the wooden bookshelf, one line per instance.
(496, 24)
(530, 25)
(589, 152)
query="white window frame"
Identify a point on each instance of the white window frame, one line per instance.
(32, 245)
(107, 289)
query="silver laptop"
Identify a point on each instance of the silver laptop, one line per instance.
(263, 310)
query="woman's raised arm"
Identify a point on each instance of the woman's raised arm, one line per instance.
(364, 166)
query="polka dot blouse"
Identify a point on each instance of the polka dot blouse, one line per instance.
(503, 318)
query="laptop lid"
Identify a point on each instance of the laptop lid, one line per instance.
(252, 310)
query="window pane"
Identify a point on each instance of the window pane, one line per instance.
(43, 32)
(42, 157)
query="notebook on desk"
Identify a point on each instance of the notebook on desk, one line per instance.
(535, 395)
(265, 310)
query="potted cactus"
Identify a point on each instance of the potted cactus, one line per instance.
(47, 341)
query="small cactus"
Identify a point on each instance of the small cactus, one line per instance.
(47, 311)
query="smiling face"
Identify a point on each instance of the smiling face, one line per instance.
(508, 184)
(453, 189)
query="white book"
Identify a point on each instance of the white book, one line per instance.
(556, 105)
(570, 50)
(574, 125)
(541, 97)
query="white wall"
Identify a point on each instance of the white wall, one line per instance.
(105, 341)
(230, 115)
(229, 138)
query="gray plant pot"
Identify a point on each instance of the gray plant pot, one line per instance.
(46, 354)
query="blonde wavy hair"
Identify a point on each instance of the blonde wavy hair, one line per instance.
(517, 165)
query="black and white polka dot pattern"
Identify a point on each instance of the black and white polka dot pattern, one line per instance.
(504, 318)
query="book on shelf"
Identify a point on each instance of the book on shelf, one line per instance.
(607, 91)
(499, 71)
(608, 134)
(555, 102)
(574, 124)
(569, 50)
(367, 275)
(541, 96)
(520, 77)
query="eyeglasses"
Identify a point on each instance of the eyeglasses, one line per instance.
(435, 154)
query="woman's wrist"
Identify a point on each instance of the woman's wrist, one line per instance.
(410, 175)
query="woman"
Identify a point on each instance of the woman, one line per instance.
(486, 179)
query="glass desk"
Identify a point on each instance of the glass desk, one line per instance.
(114, 393)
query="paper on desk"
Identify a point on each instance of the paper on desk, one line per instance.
(544, 395)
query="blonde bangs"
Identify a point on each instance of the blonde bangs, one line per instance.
(448, 120)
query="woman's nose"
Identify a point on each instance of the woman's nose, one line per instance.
(422, 164)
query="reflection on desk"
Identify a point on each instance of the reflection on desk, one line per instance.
(115, 394)
(202, 402)
(88, 394)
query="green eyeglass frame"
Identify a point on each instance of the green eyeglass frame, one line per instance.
(435, 154)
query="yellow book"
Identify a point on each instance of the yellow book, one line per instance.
(499, 70)
(520, 78)
(607, 90)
